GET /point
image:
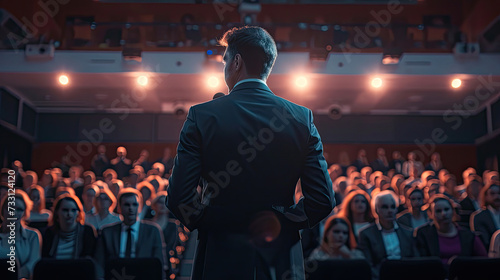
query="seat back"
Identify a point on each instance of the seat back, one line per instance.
(77, 269)
(138, 268)
(463, 268)
(338, 270)
(412, 269)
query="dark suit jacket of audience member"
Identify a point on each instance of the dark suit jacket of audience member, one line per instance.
(482, 223)
(85, 242)
(371, 243)
(149, 242)
(428, 242)
(397, 165)
(404, 218)
(215, 143)
(465, 211)
(359, 164)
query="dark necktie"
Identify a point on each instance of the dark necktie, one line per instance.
(128, 249)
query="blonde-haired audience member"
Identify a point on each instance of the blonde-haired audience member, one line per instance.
(38, 212)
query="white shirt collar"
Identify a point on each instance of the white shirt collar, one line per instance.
(379, 226)
(134, 226)
(249, 80)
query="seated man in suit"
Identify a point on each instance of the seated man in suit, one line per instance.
(470, 203)
(131, 238)
(487, 220)
(385, 239)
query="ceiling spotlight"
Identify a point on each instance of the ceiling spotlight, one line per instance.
(213, 82)
(142, 80)
(301, 82)
(63, 80)
(376, 82)
(456, 83)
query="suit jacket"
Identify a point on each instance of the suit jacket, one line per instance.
(404, 218)
(250, 148)
(466, 209)
(482, 223)
(371, 243)
(428, 242)
(149, 243)
(84, 247)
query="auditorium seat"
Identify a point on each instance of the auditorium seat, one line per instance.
(464, 268)
(412, 269)
(338, 270)
(51, 269)
(138, 268)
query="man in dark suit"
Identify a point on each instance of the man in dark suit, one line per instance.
(385, 239)
(131, 238)
(250, 148)
(487, 221)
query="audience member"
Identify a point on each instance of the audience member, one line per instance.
(467, 175)
(381, 163)
(30, 178)
(470, 203)
(356, 209)
(338, 241)
(27, 240)
(143, 161)
(148, 194)
(435, 164)
(104, 204)
(397, 162)
(412, 163)
(38, 212)
(130, 238)
(487, 220)
(414, 216)
(88, 197)
(68, 237)
(361, 161)
(121, 164)
(167, 160)
(100, 161)
(385, 239)
(443, 238)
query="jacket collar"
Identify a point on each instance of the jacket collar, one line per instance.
(250, 85)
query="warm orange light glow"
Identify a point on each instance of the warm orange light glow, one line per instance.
(63, 80)
(213, 82)
(456, 83)
(301, 82)
(142, 80)
(376, 82)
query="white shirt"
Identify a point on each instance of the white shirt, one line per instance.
(250, 80)
(496, 216)
(95, 220)
(391, 242)
(123, 239)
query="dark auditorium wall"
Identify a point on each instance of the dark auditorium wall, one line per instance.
(14, 147)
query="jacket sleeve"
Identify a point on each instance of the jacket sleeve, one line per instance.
(420, 242)
(316, 184)
(183, 199)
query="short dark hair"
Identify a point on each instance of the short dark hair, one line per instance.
(256, 47)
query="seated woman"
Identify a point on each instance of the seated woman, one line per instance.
(414, 216)
(39, 215)
(443, 237)
(356, 209)
(68, 237)
(104, 203)
(28, 240)
(337, 242)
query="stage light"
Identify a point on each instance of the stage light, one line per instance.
(376, 82)
(142, 80)
(301, 81)
(63, 80)
(213, 82)
(456, 83)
